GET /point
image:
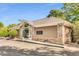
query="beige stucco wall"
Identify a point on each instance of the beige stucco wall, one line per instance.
(49, 33)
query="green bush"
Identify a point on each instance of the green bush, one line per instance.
(1, 25)
(13, 33)
(76, 31)
(4, 32)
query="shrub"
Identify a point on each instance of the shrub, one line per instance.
(13, 33)
(4, 32)
(1, 25)
(76, 31)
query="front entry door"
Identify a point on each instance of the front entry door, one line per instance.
(26, 33)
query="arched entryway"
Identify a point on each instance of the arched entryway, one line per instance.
(25, 33)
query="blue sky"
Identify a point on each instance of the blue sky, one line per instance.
(11, 13)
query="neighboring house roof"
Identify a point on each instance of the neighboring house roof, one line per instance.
(51, 21)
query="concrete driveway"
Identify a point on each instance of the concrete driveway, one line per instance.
(17, 48)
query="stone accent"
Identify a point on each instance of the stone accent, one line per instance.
(61, 33)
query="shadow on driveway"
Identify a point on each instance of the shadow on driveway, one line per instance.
(43, 51)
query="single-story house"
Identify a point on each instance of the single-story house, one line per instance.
(52, 29)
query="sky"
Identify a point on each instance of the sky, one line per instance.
(10, 13)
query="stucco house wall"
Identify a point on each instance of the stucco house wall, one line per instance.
(49, 34)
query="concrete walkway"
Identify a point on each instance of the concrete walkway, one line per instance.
(17, 48)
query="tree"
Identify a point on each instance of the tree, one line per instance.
(76, 30)
(71, 11)
(1, 25)
(56, 13)
(11, 25)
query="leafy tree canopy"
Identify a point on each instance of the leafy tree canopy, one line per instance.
(71, 11)
(76, 30)
(1, 25)
(11, 25)
(56, 13)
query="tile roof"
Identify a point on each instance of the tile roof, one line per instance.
(51, 21)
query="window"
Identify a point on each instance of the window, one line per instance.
(39, 32)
